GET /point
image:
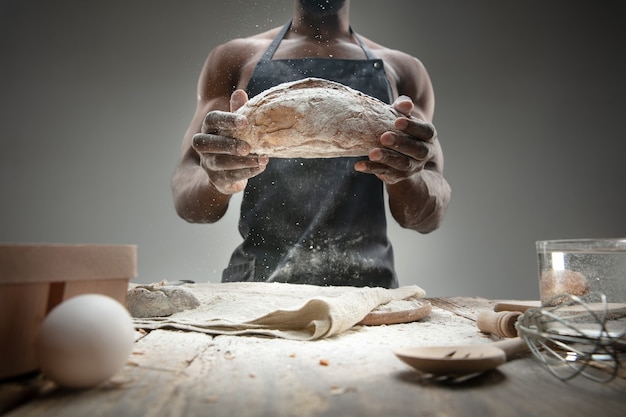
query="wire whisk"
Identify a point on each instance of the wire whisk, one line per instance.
(572, 336)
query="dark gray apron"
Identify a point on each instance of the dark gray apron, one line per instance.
(315, 221)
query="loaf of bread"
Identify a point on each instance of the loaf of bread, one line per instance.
(314, 118)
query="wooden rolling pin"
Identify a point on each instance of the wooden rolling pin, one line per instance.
(500, 323)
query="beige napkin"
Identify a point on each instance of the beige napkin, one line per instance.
(291, 311)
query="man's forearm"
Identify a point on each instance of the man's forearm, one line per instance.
(195, 199)
(420, 203)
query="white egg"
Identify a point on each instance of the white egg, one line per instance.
(84, 341)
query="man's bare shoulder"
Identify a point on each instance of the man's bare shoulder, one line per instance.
(230, 64)
(234, 60)
(248, 45)
(408, 74)
(395, 56)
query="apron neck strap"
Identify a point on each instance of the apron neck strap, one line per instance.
(269, 53)
(368, 52)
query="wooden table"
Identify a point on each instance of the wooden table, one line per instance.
(174, 373)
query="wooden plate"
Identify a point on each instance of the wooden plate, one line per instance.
(399, 311)
(516, 305)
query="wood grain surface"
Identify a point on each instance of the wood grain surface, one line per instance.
(175, 373)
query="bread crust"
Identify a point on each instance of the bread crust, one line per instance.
(314, 118)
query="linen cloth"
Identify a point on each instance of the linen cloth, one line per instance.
(290, 311)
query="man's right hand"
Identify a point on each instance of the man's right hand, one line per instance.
(226, 160)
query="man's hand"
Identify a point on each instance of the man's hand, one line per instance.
(402, 155)
(227, 161)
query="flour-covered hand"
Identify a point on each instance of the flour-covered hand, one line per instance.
(226, 160)
(402, 153)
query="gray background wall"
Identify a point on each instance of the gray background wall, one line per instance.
(95, 97)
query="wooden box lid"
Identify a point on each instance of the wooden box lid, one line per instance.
(32, 263)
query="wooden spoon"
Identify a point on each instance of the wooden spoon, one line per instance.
(461, 360)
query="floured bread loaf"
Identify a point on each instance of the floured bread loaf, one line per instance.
(314, 118)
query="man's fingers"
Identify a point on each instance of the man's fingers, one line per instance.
(207, 143)
(233, 163)
(218, 120)
(232, 181)
(238, 99)
(384, 172)
(407, 145)
(404, 105)
(417, 128)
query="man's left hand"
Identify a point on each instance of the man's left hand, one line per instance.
(401, 155)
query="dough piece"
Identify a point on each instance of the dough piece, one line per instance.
(314, 118)
(554, 283)
(159, 300)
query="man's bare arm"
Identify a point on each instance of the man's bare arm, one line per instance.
(213, 167)
(411, 165)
